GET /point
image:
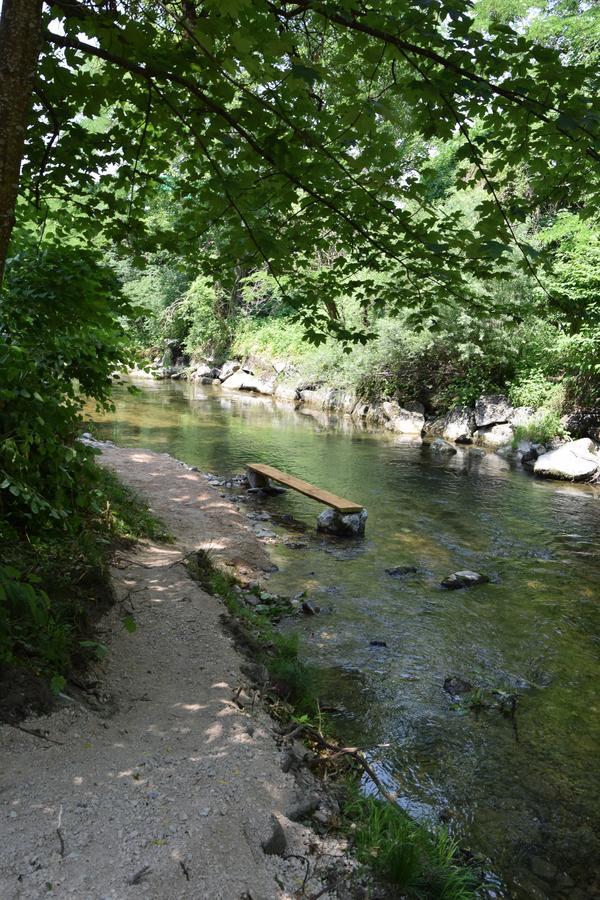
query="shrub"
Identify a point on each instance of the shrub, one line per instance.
(544, 426)
(534, 388)
(208, 328)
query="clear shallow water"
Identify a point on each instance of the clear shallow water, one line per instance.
(523, 791)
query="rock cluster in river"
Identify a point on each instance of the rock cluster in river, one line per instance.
(489, 424)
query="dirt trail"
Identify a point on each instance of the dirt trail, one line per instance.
(168, 788)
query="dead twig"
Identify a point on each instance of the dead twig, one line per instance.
(35, 733)
(59, 834)
(352, 752)
(140, 875)
(185, 870)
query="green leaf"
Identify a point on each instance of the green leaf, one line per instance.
(57, 684)
(129, 624)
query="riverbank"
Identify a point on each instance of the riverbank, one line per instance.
(165, 776)
(566, 448)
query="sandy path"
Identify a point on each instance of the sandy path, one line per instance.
(176, 777)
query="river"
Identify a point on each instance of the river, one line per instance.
(511, 767)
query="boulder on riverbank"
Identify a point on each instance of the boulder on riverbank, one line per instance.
(573, 461)
(492, 409)
(495, 435)
(458, 425)
(409, 419)
(330, 521)
(228, 368)
(243, 381)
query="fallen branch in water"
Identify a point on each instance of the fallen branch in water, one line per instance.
(336, 751)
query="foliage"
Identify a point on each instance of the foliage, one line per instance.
(421, 864)
(293, 681)
(152, 289)
(544, 426)
(534, 388)
(28, 625)
(283, 135)
(208, 328)
(53, 584)
(67, 296)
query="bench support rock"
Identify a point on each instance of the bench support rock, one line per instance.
(256, 480)
(347, 525)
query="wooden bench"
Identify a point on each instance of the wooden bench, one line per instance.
(260, 474)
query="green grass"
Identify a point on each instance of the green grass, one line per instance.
(544, 426)
(125, 515)
(421, 864)
(291, 679)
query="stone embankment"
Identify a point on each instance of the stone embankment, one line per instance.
(491, 424)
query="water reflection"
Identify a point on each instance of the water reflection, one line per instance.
(531, 804)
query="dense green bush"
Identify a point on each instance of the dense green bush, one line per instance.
(208, 329)
(61, 335)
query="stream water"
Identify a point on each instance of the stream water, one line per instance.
(512, 767)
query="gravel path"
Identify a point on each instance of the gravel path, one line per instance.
(167, 789)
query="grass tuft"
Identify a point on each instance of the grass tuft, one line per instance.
(404, 854)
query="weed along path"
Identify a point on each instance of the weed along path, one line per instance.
(172, 785)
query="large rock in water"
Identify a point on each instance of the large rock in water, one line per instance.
(574, 461)
(495, 435)
(459, 425)
(345, 524)
(243, 381)
(228, 368)
(492, 409)
(404, 420)
(463, 579)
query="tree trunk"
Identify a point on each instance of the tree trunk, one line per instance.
(20, 42)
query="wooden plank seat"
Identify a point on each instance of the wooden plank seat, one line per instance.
(303, 487)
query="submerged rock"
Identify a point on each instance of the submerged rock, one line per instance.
(439, 445)
(331, 521)
(574, 461)
(456, 686)
(309, 609)
(463, 579)
(399, 571)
